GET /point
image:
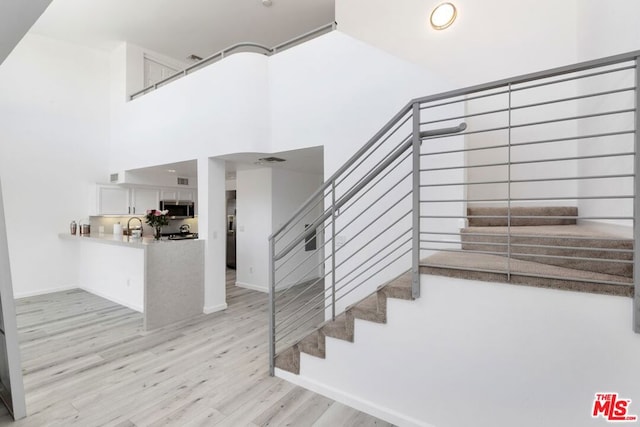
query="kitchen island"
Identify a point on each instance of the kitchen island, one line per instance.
(163, 279)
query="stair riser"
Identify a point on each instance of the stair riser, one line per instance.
(552, 211)
(479, 243)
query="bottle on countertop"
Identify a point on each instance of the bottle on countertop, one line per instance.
(73, 228)
(117, 229)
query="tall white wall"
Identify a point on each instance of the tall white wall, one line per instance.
(254, 221)
(606, 28)
(54, 122)
(483, 354)
(603, 31)
(337, 91)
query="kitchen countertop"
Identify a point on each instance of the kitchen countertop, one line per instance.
(111, 239)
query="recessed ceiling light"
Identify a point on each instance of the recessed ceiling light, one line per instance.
(443, 16)
(171, 170)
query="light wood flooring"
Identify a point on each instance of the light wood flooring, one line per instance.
(87, 362)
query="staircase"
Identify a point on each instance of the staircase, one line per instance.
(547, 249)
(372, 308)
(485, 183)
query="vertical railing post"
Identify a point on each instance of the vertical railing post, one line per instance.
(636, 204)
(333, 250)
(272, 306)
(509, 193)
(415, 252)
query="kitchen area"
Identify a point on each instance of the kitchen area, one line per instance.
(157, 270)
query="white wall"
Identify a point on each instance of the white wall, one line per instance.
(337, 91)
(113, 272)
(212, 228)
(607, 28)
(254, 218)
(289, 191)
(217, 110)
(54, 124)
(265, 199)
(482, 354)
(597, 39)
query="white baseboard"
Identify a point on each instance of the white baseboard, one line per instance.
(214, 308)
(43, 292)
(366, 406)
(252, 287)
(139, 309)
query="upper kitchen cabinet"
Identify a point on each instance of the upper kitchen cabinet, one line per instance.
(118, 200)
(186, 195)
(113, 200)
(143, 199)
(178, 194)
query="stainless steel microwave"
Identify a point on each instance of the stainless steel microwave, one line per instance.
(178, 208)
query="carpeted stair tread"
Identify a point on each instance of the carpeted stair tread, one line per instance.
(454, 264)
(289, 360)
(313, 344)
(399, 288)
(475, 215)
(547, 244)
(373, 308)
(340, 328)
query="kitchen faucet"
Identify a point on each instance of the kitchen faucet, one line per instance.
(129, 225)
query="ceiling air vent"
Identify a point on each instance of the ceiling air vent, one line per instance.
(183, 181)
(271, 160)
(114, 177)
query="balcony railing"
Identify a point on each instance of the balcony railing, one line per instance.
(236, 48)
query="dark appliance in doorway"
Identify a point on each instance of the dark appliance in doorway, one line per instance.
(231, 229)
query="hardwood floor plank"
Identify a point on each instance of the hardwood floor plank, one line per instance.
(88, 362)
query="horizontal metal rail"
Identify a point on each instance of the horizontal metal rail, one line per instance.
(517, 273)
(228, 50)
(530, 236)
(526, 162)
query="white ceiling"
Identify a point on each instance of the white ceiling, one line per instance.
(16, 17)
(181, 28)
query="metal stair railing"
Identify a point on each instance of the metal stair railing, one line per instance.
(405, 194)
(245, 47)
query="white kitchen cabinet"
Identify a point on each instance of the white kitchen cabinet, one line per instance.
(186, 195)
(119, 200)
(169, 194)
(113, 200)
(143, 199)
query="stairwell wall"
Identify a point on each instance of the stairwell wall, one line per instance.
(603, 31)
(483, 354)
(337, 91)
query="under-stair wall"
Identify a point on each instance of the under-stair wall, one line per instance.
(471, 353)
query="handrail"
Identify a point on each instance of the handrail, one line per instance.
(363, 183)
(343, 168)
(524, 78)
(227, 50)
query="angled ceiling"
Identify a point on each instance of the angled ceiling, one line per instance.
(181, 28)
(16, 17)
